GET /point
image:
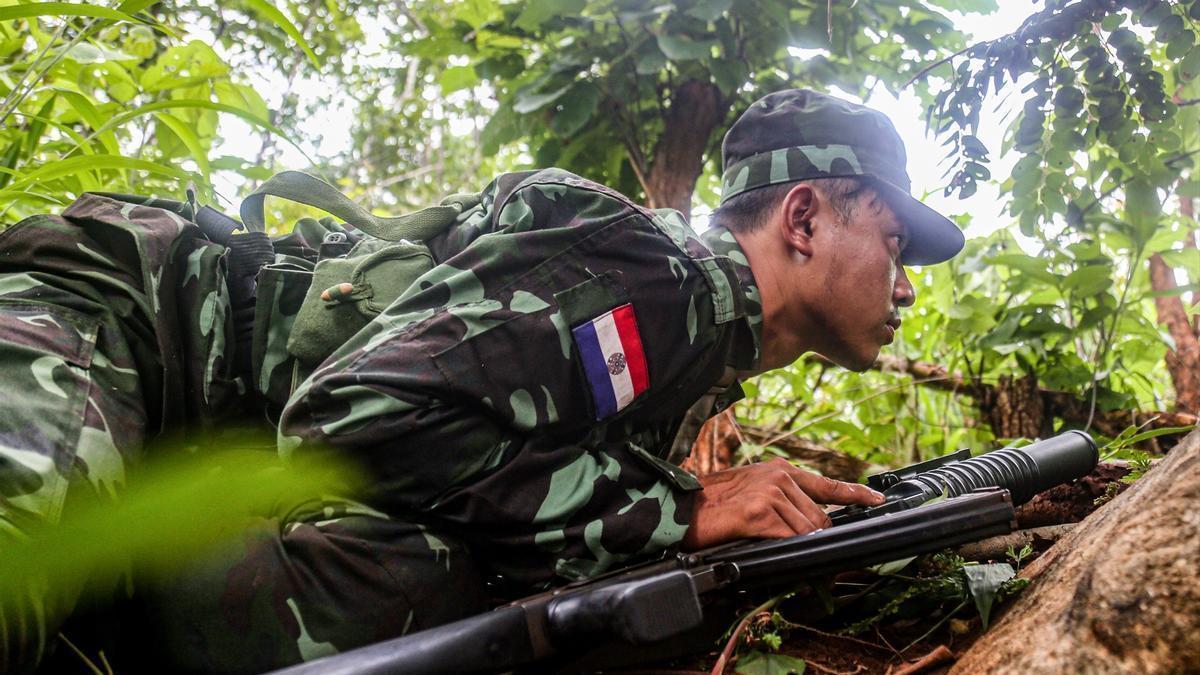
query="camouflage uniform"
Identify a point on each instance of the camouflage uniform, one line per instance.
(467, 403)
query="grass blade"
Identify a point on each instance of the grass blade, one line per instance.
(61, 9)
(80, 165)
(190, 141)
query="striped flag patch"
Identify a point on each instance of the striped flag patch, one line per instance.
(613, 359)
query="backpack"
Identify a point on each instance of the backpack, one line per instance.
(305, 309)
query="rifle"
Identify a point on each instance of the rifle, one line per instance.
(661, 600)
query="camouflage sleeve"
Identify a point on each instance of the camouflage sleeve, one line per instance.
(472, 398)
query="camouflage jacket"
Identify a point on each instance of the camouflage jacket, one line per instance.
(525, 393)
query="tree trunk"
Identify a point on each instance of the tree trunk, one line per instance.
(696, 108)
(1014, 408)
(1183, 362)
(1119, 594)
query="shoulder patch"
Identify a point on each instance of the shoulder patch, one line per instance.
(614, 362)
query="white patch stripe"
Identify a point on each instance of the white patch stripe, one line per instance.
(610, 343)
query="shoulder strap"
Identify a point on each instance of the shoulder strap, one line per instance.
(306, 189)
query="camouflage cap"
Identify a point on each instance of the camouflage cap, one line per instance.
(797, 134)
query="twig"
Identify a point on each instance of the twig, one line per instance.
(727, 653)
(835, 636)
(936, 657)
(826, 669)
(925, 71)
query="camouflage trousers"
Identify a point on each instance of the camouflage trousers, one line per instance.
(293, 590)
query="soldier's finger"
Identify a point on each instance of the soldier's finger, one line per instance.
(796, 521)
(806, 506)
(828, 491)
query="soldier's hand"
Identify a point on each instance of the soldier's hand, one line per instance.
(767, 500)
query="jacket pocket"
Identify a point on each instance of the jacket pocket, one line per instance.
(45, 354)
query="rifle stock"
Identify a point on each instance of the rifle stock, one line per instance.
(660, 600)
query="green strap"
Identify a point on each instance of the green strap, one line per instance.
(305, 189)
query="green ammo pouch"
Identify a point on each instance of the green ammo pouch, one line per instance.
(348, 291)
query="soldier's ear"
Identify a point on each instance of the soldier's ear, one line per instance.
(796, 221)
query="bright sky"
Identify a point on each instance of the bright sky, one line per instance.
(331, 134)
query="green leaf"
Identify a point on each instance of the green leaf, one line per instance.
(456, 78)
(537, 12)
(528, 102)
(729, 74)
(85, 52)
(766, 663)
(60, 9)
(89, 113)
(1155, 433)
(178, 104)
(1089, 280)
(651, 60)
(1035, 267)
(135, 6)
(189, 139)
(1189, 67)
(75, 165)
(285, 24)
(983, 581)
(1188, 259)
(575, 109)
(683, 48)
(1142, 207)
(709, 10)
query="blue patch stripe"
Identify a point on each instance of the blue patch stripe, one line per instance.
(596, 369)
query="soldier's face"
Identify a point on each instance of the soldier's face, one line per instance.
(863, 283)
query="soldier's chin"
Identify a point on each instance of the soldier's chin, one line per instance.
(855, 360)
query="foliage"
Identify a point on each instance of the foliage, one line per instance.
(587, 84)
(109, 99)
(1106, 134)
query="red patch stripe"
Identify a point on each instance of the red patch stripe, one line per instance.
(631, 341)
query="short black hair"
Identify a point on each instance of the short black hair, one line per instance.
(747, 211)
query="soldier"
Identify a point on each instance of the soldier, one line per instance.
(521, 411)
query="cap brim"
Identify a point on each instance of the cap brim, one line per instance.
(932, 237)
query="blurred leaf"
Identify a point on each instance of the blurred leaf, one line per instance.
(683, 48)
(534, 13)
(1089, 280)
(185, 134)
(172, 511)
(285, 24)
(456, 78)
(530, 101)
(709, 10)
(575, 109)
(57, 9)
